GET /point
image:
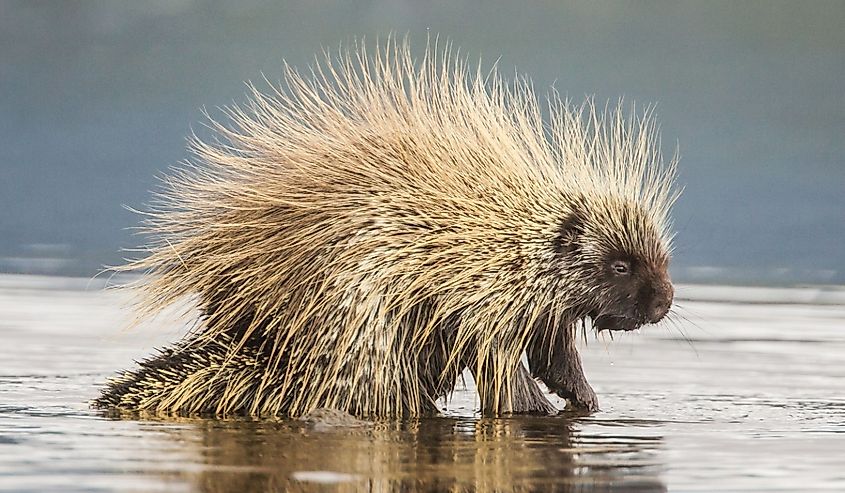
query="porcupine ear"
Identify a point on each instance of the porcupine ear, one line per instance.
(569, 233)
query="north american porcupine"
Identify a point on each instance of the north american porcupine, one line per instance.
(356, 240)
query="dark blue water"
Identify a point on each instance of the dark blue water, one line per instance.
(97, 97)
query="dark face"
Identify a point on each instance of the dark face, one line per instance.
(636, 292)
(625, 271)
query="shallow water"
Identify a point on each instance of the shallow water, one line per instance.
(740, 395)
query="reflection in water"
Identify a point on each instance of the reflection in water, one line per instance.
(440, 454)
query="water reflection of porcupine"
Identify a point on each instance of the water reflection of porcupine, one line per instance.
(442, 454)
(356, 240)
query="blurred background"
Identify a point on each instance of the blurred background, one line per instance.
(96, 98)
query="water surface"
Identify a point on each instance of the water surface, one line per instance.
(746, 392)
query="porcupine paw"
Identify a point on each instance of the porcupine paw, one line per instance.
(580, 398)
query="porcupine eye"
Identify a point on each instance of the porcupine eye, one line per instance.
(621, 267)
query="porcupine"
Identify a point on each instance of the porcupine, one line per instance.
(358, 237)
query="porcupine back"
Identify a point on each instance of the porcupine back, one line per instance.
(352, 236)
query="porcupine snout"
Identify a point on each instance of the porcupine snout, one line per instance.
(661, 301)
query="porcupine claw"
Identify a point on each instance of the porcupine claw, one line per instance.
(581, 397)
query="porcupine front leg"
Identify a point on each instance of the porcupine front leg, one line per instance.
(554, 359)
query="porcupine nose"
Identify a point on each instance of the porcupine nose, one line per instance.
(661, 302)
